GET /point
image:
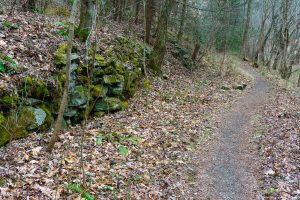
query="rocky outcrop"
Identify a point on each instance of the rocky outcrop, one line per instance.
(100, 83)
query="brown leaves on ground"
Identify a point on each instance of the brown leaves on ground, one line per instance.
(280, 146)
(140, 153)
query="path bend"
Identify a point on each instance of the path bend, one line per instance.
(227, 164)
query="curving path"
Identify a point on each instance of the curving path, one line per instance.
(227, 164)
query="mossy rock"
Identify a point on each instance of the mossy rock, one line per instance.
(37, 117)
(78, 96)
(117, 90)
(31, 102)
(35, 88)
(119, 69)
(113, 79)
(16, 125)
(109, 70)
(99, 72)
(108, 104)
(71, 112)
(98, 91)
(132, 81)
(49, 118)
(60, 55)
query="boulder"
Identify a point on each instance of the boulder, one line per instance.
(71, 112)
(98, 91)
(36, 117)
(108, 104)
(117, 90)
(78, 96)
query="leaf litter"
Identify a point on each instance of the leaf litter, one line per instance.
(138, 153)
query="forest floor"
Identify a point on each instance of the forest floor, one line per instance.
(191, 136)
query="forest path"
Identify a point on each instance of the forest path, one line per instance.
(227, 163)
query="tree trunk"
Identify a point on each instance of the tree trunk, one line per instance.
(149, 18)
(276, 60)
(196, 51)
(64, 101)
(284, 68)
(116, 9)
(137, 10)
(121, 10)
(86, 14)
(157, 55)
(260, 41)
(246, 29)
(182, 20)
(298, 85)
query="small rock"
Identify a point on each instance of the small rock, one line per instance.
(270, 172)
(240, 86)
(296, 114)
(165, 76)
(225, 87)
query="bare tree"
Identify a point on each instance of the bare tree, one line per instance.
(182, 19)
(86, 14)
(64, 101)
(246, 29)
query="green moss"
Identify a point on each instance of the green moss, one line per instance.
(2, 181)
(59, 86)
(109, 70)
(10, 101)
(108, 104)
(83, 79)
(15, 126)
(40, 91)
(60, 55)
(35, 88)
(99, 58)
(132, 81)
(81, 34)
(124, 105)
(146, 84)
(119, 68)
(28, 80)
(113, 79)
(98, 91)
(2, 119)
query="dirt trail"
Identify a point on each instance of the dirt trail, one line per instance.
(228, 162)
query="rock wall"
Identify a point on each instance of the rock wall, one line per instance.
(101, 82)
